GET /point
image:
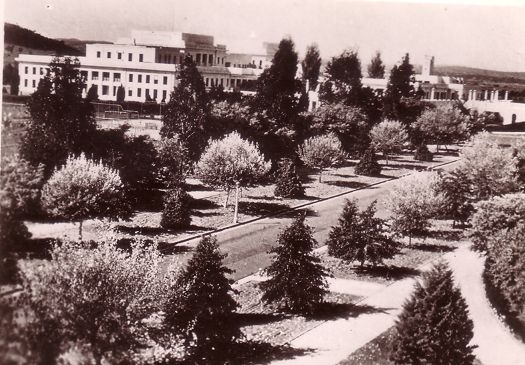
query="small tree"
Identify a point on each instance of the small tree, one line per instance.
(177, 209)
(413, 201)
(288, 184)
(434, 327)
(174, 160)
(320, 152)
(495, 214)
(84, 189)
(455, 187)
(92, 94)
(376, 68)
(423, 154)
(232, 162)
(297, 279)
(121, 94)
(200, 306)
(389, 136)
(368, 164)
(360, 236)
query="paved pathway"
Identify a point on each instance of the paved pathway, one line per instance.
(497, 345)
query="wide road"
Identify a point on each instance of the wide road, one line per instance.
(247, 245)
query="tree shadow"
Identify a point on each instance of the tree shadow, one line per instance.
(36, 248)
(446, 235)
(257, 352)
(265, 197)
(344, 175)
(261, 208)
(307, 212)
(156, 231)
(197, 187)
(408, 166)
(149, 201)
(392, 272)
(170, 248)
(347, 184)
(254, 319)
(203, 204)
(329, 311)
(432, 247)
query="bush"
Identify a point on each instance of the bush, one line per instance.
(96, 298)
(434, 327)
(455, 187)
(368, 164)
(177, 209)
(288, 184)
(493, 215)
(388, 137)
(201, 308)
(297, 279)
(504, 268)
(423, 154)
(320, 152)
(360, 236)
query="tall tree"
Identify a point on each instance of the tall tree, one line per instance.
(297, 279)
(311, 66)
(186, 113)
(434, 327)
(61, 122)
(343, 83)
(201, 306)
(376, 68)
(121, 94)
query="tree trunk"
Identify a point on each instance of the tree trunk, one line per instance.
(437, 148)
(386, 158)
(320, 174)
(80, 231)
(227, 198)
(236, 211)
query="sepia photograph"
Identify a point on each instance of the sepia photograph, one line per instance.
(279, 182)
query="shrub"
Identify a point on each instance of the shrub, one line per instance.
(360, 236)
(455, 187)
(297, 279)
(177, 209)
(496, 214)
(320, 152)
(423, 154)
(95, 298)
(434, 327)
(84, 189)
(388, 137)
(413, 201)
(368, 164)
(200, 306)
(288, 184)
(504, 268)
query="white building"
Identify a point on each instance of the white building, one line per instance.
(146, 65)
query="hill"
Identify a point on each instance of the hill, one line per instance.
(27, 38)
(479, 76)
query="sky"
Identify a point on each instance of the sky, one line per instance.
(477, 33)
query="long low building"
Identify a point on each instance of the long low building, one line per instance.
(147, 64)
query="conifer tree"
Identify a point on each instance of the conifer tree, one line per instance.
(288, 183)
(201, 307)
(376, 68)
(360, 236)
(311, 66)
(368, 164)
(297, 279)
(177, 209)
(121, 94)
(434, 327)
(458, 204)
(423, 154)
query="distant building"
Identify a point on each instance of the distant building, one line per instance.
(146, 65)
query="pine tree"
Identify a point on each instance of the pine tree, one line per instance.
(201, 307)
(343, 83)
(368, 164)
(177, 209)
(121, 94)
(297, 279)
(376, 68)
(92, 94)
(288, 184)
(360, 236)
(455, 187)
(311, 66)
(434, 327)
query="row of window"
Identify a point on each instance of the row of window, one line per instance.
(201, 59)
(117, 77)
(216, 82)
(26, 83)
(119, 56)
(42, 70)
(105, 91)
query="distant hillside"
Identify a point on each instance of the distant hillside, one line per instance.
(477, 75)
(27, 38)
(79, 44)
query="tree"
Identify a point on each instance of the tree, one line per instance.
(493, 215)
(121, 94)
(311, 66)
(413, 201)
(320, 152)
(232, 162)
(491, 170)
(376, 68)
(174, 160)
(349, 123)
(455, 187)
(389, 136)
(360, 236)
(368, 164)
(177, 209)
(92, 94)
(11, 77)
(95, 298)
(84, 189)
(61, 122)
(434, 327)
(444, 124)
(185, 115)
(200, 305)
(423, 153)
(343, 81)
(288, 184)
(297, 279)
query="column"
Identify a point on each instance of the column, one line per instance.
(486, 94)
(432, 92)
(506, 94)
(496, 95)
(470, 95)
